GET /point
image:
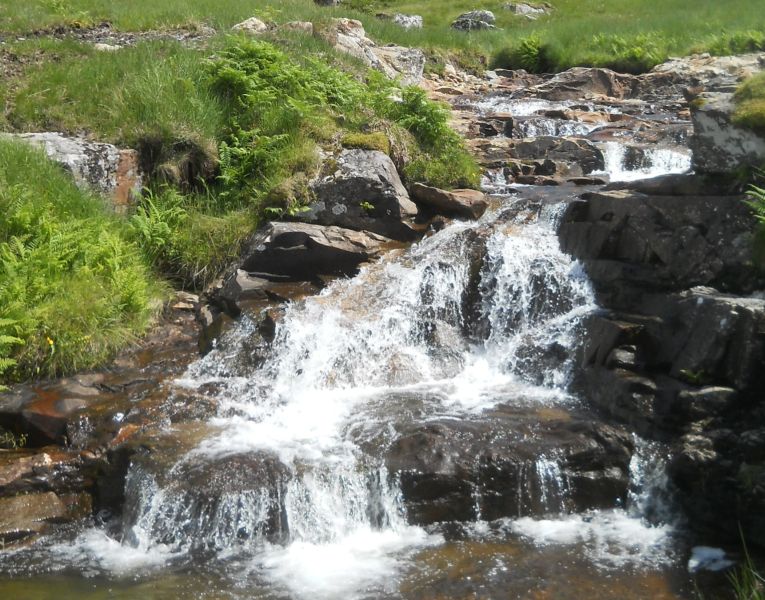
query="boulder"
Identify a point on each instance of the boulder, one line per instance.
(494, 467)
(581, 83)
(252, 26)
(364, 192)
(475, 19)
(408, 21)
(302, 251)
(701, 71)
(717, 144)
(569, 150)
(470, 204)
(53, 469)
(104, 168)
(396, 62)
(526, 10)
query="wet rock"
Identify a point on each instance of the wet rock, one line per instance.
(27, 515)
(53, 469)
(470, 204)
(709, 73)
(630, 241)
(408, 21)
(348, 35)
(496, 467)
(569, 150)
(681, 184)
(717, 144)
(301, 251)
(102, 167)
(364, 192)
(253, 26)
(475, 19)
(212, 504)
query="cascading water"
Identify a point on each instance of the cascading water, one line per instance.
(624, 163)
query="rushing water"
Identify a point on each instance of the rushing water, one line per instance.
(286, 493)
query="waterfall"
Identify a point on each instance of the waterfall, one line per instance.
(628, 163)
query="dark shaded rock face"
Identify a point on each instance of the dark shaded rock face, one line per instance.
(632, 242)
(503, 466)
(670, 358)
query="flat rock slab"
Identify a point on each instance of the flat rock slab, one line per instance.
(27, 515)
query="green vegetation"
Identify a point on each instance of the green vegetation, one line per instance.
(756, 201)
(73, 287)
(367, 141)
(750, 104)
(631, 34)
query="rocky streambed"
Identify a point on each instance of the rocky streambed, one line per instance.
(550, 391)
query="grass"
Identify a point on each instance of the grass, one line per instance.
(632, 35)
(750, 104)
(73, 287)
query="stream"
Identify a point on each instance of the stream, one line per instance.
(450, 363)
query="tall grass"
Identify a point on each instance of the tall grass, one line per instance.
(73, 288)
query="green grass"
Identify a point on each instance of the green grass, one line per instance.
(750, 104)
(73, 288)
(630, 34)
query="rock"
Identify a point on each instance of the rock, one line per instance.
(583, 82)
(236, 499)
(363, 193)
(717, 144)
(53, 469)
(102, 167)
(106, 47)
(630, 241)
(680, 184)
(408, 21)
(301, 251)
(252, 26)
(465, 203)
(572, 150)
(475, 19)
(526, 10)
(710, 73)
(298, 27)
(328, 2)
(458, 470)
(348, 35)
(28, 515)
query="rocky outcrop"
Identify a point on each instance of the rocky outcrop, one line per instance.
(396, 62)
(363, 192)
(462, 470)
(582, 83)
(669, 358)
(632, 242)
(475, 19)
(470, 204)
(104, 168)
(718, 145)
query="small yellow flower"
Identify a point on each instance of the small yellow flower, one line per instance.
(50, 341)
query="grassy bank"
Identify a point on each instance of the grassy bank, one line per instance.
(74, 287)
(628, 34)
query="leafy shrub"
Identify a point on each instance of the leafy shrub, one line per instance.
(72, 287)
(737, 42)
(530, 54)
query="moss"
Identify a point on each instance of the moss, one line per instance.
(367, 141)
(750, 104)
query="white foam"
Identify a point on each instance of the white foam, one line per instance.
(344, 568)
(656, 161)
(706, 558)
(610, 538)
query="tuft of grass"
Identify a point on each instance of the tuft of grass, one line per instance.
(367, 141)
(750, 104)
(73, 288)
